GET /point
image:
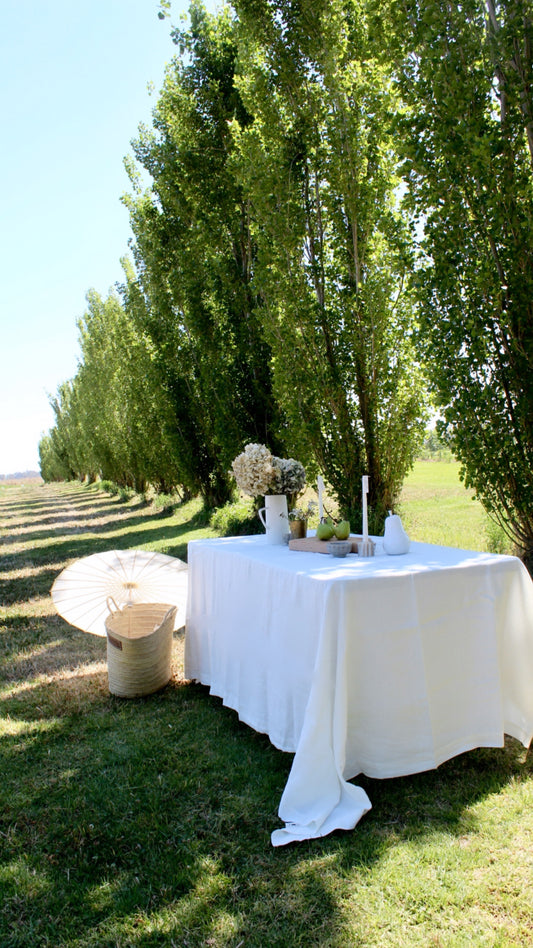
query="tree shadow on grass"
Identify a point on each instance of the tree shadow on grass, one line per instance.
(82, 514)
(170, 538)
(161, 811)
(32, 646)
(83, 525)
(436, 800)
(45, 496)
(147, 823)
(56, 548)
(46, 510)
(160, 805)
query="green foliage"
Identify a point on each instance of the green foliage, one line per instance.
(111, 419)
(122, 410)
(271, 298)
(194, 255)
(108, 486)
(65, 448)
(52, 462)
(468, 161)
(333, 256)
(236, 519)
(277, 297)
(126, 493)
(433, 447)
(166, 503)
(497, 539)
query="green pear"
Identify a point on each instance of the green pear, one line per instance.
(342, 530)
(325, 531)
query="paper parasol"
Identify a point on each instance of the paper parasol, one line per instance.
(81, 592)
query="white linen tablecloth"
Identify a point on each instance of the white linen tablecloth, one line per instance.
(384, 666)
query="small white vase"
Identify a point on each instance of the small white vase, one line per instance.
(275, 518)
(395, 539)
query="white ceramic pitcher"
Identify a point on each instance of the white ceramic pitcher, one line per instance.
(275, 518)
(395, 539)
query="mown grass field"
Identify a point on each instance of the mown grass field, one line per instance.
(144, 823)
(436, 508)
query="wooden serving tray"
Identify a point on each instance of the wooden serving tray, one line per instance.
(312, 545)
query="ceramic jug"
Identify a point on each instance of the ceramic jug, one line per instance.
(395, 539)
(275, 518)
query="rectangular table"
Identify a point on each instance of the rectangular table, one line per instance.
(384, 666)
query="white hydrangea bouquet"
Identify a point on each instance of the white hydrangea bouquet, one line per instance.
(259, 472)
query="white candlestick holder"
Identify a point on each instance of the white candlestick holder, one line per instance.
(366, 548)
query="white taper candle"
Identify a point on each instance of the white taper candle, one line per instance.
(320, 486)
(365, 509)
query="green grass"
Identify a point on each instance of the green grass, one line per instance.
(436, 508)
(144, 823)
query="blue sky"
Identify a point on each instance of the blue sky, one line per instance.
(73, 91)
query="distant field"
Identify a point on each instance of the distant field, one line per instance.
(7, 482)
(436, 508)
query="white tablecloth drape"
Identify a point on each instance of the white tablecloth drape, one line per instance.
(384, 666)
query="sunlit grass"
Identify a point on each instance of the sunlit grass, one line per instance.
(146, 823)
(437, 508)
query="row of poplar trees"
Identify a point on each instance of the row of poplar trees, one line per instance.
(338, 224)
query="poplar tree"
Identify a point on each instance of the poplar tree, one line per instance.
(467, 75)
(194, 254)
(333, 267)
(111, 417)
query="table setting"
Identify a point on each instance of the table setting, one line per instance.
(376, 662)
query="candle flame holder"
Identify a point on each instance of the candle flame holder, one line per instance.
(366, 548)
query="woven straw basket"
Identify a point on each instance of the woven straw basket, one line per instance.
(139, 648)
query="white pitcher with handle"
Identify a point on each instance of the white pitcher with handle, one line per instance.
(275, 518)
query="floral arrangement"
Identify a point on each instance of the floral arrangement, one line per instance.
(254, 471)
(298, 513)
(257, 472)
(291, 475)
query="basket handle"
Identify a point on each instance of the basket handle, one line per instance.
(168, 613)
(113, 603)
